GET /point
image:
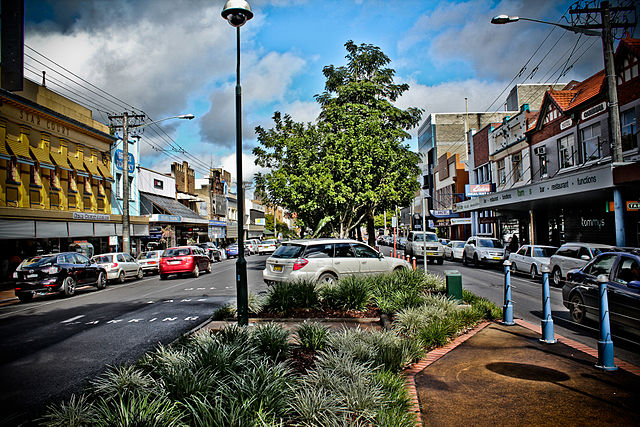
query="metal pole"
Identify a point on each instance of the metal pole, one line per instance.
(424, 230)
(507, 308)
(241, 263)
(605, 345)
(126, 240)
(547, 322)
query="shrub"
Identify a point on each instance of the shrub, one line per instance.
(312, 335)
(271, 340)
(124, 381)
(314, 406)
(437, 332)
(404, 289)
(285, 296)
(256, 303)
(78, 412)
(227, 311)
(350, 293)
(143, 410)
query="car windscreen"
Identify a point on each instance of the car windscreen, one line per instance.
(543, 252)
(598, 251)
(102, 259)
(38, 261)
(490, 243)
(420, 238)
(288, 251)
(458, 244)
(176, 252)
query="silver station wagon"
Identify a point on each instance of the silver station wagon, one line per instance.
(326, 261)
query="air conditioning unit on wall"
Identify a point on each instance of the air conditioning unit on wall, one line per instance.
(540, 151)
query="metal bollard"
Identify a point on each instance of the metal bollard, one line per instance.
(605, 345)
(507, 308)
(414, 263)
(547, 322)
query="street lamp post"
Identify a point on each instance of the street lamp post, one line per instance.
(237, 13)
(126, 232)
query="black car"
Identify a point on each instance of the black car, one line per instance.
(581, 295)
(62, 272)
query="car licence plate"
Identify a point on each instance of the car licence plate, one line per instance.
(277, 268)
(31, 276)
(432, 253)
(497, 257)
(174, 262)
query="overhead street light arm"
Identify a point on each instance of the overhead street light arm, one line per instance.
(182, 116)
(506, 19)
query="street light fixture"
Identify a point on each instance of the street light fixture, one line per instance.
(126, 232)
(238, 12)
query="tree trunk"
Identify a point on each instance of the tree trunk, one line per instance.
(359, 233)
(371, 230)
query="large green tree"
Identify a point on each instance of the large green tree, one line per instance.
(352, 162)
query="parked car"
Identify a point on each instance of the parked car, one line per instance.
(416, 245)
(401, 243)
(232, 250)
(119, 266)
(150, 261)
(453, 250)
(482, 250)
(326, 260)
(184, 259)
(267, 246)
(211, 250)
(61, 272)
(252, 246)
(530, 259)
(581, 295)
(573, 255)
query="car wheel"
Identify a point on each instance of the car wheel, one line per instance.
(69, 286)
(25, 296)
(464, 259)
(140, 273)
(577, 310)
(476, 261)
(196, 271)
(121, 277)
(327, 279)
(533, 273)
(440, 260)
(163, 276)
(208, 267)
(556, 277)
(102, 281)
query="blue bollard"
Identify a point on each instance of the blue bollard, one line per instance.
(507, 308)
(547, 322)
(605, 345)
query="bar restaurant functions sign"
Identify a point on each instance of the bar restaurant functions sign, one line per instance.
(594, 179)
(119, 160)
(91, 216)
(475, 190)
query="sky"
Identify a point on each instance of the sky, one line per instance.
(171, 57)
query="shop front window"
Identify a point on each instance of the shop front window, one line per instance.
(590, 137)
(566, 151)
(629, 130)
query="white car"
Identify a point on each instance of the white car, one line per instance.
(454, 250)
(530, 259)
(326, 260)
(416, 246)
(150, 261)
(252, 245)
(267, 246)
(119, 266)
(483, 250)
(573, 255)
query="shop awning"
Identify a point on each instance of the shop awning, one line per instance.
(60, 160)
(42, 157)
(76, 164)
(93, 169)
(19, 149)
(172, 207)
(105, 172)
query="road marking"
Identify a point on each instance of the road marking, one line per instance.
(186, 300)
(73, 318)
(93, 322)
(202, 299)
(154, 319)
(169, 319)
(115, 321)
(191, 318)
(135, 320)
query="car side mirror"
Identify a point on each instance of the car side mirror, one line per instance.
(585, 257)
(380, 255)
(634, 284)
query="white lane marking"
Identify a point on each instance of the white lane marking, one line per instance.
(73, 318)
(169, 319)
(191, 318)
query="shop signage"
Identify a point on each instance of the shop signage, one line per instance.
(443, 222)
(260, 221)
(460, 221)
(487, 220)
(91, 216)
(594, 110)
(214, 223)
(443, 212)
(119, 160)
(475, 190)
(113, 240)
(566, 124)
(633, 206)
(169, 218)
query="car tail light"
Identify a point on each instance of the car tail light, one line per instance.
(18, 289)
(301, 262)
(51, 270)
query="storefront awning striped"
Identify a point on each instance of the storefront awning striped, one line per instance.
(76, 164)
(19, 149)
(60, 160)
(42, 157)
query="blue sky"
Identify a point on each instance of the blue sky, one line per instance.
(170, 57)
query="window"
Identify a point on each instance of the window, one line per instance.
(566, 151)
(629, 130)
(130, 187)
(528, 252)
(343, 250)
(629, 69)
(120, 258)
(602, 265)
(516, 164)
(363, 251)
(119, 186)
(584, 252)
(319, 251)
(158, 183)
(590, 139)
(542, 160)
(628, 271)
(502, 176)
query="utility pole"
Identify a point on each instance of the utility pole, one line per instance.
(126, 232)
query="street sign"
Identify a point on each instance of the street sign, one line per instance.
(394, 221)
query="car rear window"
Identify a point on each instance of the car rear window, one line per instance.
(147, 255)
(288, 251)
(176, 252)
(38, 261)
(269, 242)
(102, 259)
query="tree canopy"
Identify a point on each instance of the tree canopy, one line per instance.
(335, 174)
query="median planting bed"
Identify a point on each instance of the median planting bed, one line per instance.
(269, 375)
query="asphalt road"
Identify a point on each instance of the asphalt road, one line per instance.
(526, 295)
(51, 347)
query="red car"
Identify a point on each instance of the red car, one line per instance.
(184, 259)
